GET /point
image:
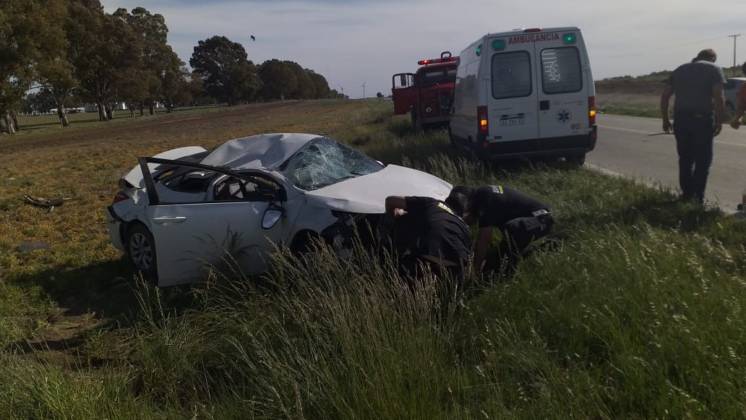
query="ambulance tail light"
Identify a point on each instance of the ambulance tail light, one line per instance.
(483, 123)
(592, 111)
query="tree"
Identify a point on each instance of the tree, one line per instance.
(54, 71)
(304, 88)
(24, 27)
(40, 101)
(278, 80)
(156, 56)
(226, 73)
(320, 85)
(104, 52)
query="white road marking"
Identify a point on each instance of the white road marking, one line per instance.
(647, 133)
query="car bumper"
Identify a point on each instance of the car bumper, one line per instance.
(558, 146)
(114, 226)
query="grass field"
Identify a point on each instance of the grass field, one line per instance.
(638, 314)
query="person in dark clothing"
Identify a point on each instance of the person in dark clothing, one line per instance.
(698, 117)
(520, 218)
(426, 231)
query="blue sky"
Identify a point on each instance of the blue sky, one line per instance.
(352, 42)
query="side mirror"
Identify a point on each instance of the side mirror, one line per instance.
(272, 215)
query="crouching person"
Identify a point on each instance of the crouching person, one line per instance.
(428, 233)
(520, 218)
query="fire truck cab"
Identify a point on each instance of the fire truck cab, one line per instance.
(426, 95)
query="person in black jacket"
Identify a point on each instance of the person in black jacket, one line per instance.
(427, 231)
(520, 218)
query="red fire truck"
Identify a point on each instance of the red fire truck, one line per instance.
(428, 94)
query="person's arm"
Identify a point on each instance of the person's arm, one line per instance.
(484, 237)
(718, 99)
(665, 99)
(394, 203)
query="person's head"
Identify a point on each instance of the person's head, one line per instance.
(459, 201)
(706, 55)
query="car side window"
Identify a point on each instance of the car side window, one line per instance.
(248, 188)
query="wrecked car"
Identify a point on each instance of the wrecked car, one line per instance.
(182, 210)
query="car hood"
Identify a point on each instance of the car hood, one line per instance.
(367, 194)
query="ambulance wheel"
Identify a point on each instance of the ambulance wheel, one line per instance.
(576, 160)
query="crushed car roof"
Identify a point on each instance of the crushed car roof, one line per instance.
(263, 151)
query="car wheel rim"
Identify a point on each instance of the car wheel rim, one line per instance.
(141, 251)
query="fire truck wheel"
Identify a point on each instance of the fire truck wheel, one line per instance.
(416, 122)
(451, 138)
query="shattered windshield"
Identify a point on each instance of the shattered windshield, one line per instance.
(324, 162)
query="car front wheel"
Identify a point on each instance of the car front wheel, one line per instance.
(141, 251)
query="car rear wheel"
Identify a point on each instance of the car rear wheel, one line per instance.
(141, 251)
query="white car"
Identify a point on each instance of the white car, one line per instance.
(182, 210)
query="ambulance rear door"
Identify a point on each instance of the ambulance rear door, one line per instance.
(562, 89)
(512, 91)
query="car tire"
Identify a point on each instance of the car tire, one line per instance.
(303, 243)
(140, 247)
(576, 160)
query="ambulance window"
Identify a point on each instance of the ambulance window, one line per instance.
(511, 75)
(561, 71)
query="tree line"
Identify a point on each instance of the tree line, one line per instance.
(63, 53)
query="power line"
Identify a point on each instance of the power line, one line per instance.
(734, 36)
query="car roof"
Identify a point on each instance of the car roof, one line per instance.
(263, 151)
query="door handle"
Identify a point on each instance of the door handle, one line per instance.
(169, 219)
(543, 105)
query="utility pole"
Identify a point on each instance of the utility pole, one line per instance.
(734, 36)
(363, 90)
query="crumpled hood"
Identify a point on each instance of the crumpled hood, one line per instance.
(367, 194)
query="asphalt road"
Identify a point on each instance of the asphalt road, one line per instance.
(635, 147)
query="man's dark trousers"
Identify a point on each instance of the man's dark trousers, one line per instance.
(694, 137)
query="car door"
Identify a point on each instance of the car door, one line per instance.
(226, 226)
(403, 92)
(512, 92)
(563, 97)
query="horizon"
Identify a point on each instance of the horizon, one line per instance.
(358, 42)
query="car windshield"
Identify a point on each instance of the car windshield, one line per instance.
(324, 162)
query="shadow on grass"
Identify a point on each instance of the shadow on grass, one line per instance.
(107, 290)
(666, 211)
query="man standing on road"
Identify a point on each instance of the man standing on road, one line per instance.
(698, 117)
(741, 102)
(520, 218)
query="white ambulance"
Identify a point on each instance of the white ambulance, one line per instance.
(526, 93)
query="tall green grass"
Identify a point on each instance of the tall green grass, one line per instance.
(637, 313)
